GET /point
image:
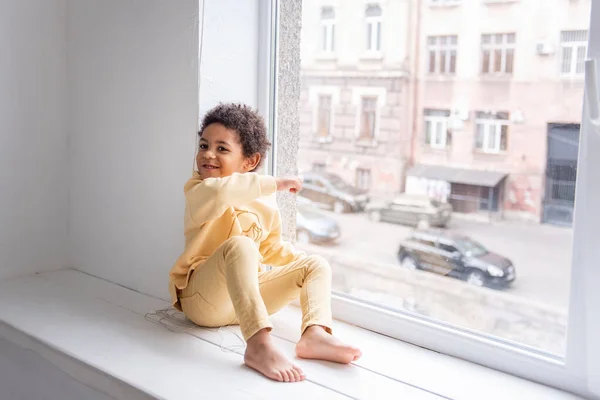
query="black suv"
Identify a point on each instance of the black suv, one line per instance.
(456, 256)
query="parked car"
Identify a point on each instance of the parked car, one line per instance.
(456, 256)
(409, 209)
(314, 226)
(332, 192)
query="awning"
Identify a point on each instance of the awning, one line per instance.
(457, 175)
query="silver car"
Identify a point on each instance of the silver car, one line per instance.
(414, 210)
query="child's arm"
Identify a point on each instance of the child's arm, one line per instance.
(209, 198)
(275, 251)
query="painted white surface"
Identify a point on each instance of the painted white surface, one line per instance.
(69, 310)
(19, 367)
(33, 136)
(229, 65)
(133, 101)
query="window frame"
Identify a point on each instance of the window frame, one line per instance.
(360, 92)
(314, 94)
(363, 174)
(487, 123)
(436, 119)
(492, 47)
(373, 23)
(574, 47)
(327, 33)
(438, 49)
(579, 371)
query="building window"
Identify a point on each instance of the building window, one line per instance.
(491, 134)
(573, 45)
(327, 30)
(497, 53)
(442, 54)
(363, 178)
(373, 19)
(318, 167)
(324, 116)
(368, 115)
(436, 127)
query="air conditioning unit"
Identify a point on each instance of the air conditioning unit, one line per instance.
(517, 117)
(461, 114)
(544, 48)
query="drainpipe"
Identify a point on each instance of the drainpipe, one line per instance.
(416, 100)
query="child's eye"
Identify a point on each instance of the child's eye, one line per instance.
(221, 148)
(204, 146)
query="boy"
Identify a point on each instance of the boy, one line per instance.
(230, 232)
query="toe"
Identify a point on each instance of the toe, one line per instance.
(297, 375)
(299, 371)
(276, 375)
(286, 376)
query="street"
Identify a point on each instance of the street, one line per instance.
(541, 253)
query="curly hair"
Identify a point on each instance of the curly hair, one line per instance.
(248, 124)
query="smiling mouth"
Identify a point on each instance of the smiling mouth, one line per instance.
(207, 166)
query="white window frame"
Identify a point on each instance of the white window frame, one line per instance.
(374, 24)
(358, 92)
(579, 370)
(503, 47)
(438, 49)
(437, 121)
(327, 34)
(491, 127)
(360, 174)
(574, 46)
(314, 92)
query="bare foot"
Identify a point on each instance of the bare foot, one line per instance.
(317, 344)
(262, 355)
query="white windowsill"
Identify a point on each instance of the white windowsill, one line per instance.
(327, 139)
(371, 55)
(96, 332)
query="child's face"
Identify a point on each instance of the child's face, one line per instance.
(220, 153)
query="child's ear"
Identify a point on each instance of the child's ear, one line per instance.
(252, 162)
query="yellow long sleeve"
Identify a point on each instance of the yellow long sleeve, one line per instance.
(275, 251)
(209, 198)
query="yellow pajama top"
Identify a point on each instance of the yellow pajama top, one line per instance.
(217, 209)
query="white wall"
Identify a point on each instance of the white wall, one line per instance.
(133, 101)
(33, 136)
(229, 65)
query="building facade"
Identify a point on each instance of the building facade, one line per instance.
(500, 90)
(475, 102)
(355, 100)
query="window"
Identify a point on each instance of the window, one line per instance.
(447, 248)
(491, 134)
(320, 107)
(436, 128)
(318, 167)
(573, 46)
(442, 54)
(373, 20)
(526, 320)
(327, 30)
(324, 116)
(368, 115)
(497, 53)
(363, 178)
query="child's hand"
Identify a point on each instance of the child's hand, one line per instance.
(291, 184)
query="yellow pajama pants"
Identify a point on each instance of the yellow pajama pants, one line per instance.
(229, 289)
